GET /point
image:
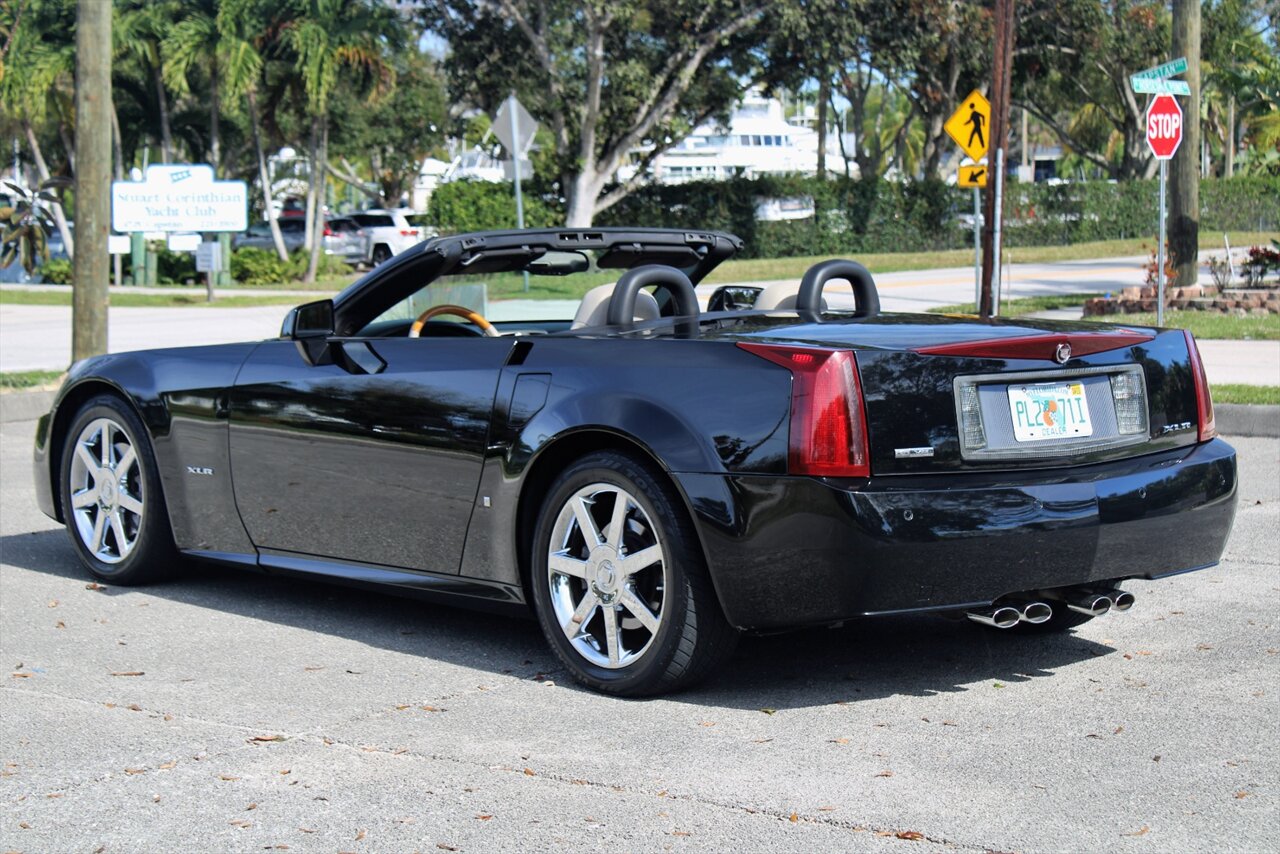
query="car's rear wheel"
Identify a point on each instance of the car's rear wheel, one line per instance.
(619, 584)
(381, 253)
(111, 496)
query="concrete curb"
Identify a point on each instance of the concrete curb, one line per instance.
(1234, 419)
(25, 405)
(1240, 419)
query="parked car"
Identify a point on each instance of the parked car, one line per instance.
(343, 237)
(391, 232)
(649, 479)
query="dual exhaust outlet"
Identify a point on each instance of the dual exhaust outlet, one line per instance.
(1035, 611)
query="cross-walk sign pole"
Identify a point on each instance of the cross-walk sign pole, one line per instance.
(977, 248)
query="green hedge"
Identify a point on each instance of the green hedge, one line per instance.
(876, 216)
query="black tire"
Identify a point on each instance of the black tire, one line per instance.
(692, 637)
(141, 549)
(381, 253)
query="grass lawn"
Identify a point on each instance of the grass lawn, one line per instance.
(14, 380)
(1207, 324)
(1238, 393)
(124, 299)
(1021, 305)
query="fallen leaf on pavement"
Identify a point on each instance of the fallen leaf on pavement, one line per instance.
(128, 673)
(135, 770)
(443, 846)
(307, 829)
(93, 585)
(240, 822)
(134, 707)
(54, 795)
(483, 816)
(24, 825)
(360, 835)
(528, 772)
(266, 738)
(913, 835)
(885, 774)
(1142, 831)
(227, 777)
(1241, 794)
(21, 675)
(59, 625)
(252, 806)
(53, 603)
(838, 740)
(826, 809)
(681, 833)
(770, 711)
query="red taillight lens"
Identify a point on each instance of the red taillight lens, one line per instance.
(828, 422)
(1204, 400)
(412, 232)
(328, 232)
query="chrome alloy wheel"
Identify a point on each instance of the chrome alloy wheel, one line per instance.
(106, 486)
(607, 576)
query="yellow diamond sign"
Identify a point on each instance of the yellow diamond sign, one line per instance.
(969, 125)
(972, 176)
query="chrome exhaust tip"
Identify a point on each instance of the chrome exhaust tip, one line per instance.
(1000, 616)
(1036, 613)
(1121, 600)
(1093, 604)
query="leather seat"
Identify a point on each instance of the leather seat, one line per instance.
(779, 296)
(594, 309)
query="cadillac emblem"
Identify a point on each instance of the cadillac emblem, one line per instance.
(1063, 353)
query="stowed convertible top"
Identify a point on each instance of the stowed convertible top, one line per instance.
(543, 251)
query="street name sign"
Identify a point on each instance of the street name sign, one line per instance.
(1154, 86)
(969, 125)
(1169, 69)
(182, 197)
(972, 176)
(1164, 126)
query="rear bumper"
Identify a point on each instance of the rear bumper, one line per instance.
(791, 551)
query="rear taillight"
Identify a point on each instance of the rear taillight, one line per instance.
(1204, 401)
(828, 423)
(410, 232)
(328, 232)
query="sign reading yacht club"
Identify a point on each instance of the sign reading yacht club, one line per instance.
(179, 197)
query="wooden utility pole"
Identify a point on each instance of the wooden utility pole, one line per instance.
(1184, 169)
(1001, 68)
(93, 178)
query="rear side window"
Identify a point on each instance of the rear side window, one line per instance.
(292, 225)
(374, 220)
(344, 226)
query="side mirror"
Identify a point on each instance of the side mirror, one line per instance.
(312, 320)
(310, 327)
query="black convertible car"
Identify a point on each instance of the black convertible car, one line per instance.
(649, 477)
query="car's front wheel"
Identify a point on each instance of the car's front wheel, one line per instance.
(111, 496)
(619, 584)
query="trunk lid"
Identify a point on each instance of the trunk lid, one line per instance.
(959, 394)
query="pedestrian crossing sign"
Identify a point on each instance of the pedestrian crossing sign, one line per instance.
(972, 176)
(969, 125)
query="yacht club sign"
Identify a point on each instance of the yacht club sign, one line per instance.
(179, 197)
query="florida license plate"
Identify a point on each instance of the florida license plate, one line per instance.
(1049, 411)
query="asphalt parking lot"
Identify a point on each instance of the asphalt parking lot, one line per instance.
(232, 712)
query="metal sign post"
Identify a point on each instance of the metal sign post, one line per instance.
(995, 249)
(977, 250)
(514, 128)
(1164, 181)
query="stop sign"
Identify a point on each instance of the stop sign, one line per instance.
(1164, 126)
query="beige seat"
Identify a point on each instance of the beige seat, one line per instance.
(780, 296)
(594, 310)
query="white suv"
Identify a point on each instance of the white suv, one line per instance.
(390, 232)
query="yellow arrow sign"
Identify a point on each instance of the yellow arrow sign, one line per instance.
(969, 124)
(972, 176)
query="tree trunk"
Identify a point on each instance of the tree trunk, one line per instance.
(310, 221)
(93, 179)
(997, 139)
(1184, 169)
(162, 100)
(318, 179)
(267, 200)
(215, 143)
(584, 191)
(1229, 149)
(824, 95)
(42, 169)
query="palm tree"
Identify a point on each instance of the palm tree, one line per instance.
(247, 30)
(39, 69)
(325, 37)
(195, 42)
(139, 29)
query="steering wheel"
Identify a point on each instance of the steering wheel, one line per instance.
(415, 331)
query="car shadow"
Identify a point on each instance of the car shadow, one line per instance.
(913, 655)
